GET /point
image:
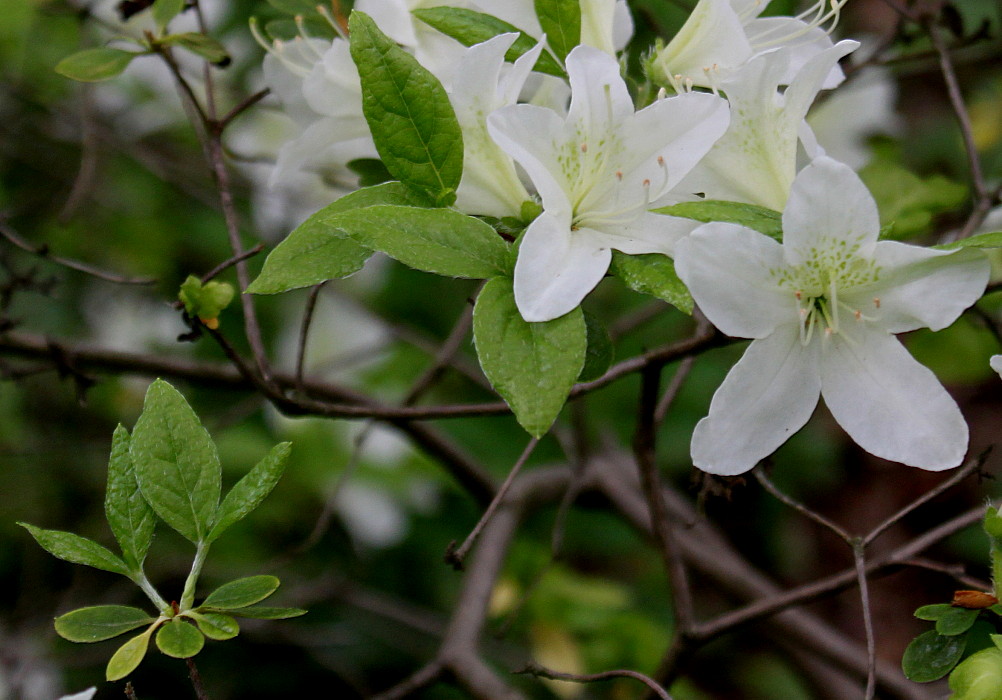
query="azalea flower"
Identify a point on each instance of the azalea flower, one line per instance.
(822, 309)
(605, 24)
(490, 184)
(597, 171)
(765, 128)
(996, 363)
(720, 36)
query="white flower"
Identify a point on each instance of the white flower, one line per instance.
(597, 172)
(605, 24)
(82, 695)
(996, 363)
(490, 184)
(765, 127)
(720, 36)
(822, 308)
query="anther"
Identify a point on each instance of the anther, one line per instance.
(647, 183)
(619, 175)
(858, 314)
(876, 302)
(799, 294)
(584, 148)
(661, 161)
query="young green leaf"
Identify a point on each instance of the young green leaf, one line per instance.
(131, 519)
(316, 251)
(750, 216)
(201, 45)
(957, 621)
(262, 612)
(166, 10)
(561, 22)
(129, 656)
(600, 352)
(409, 113)
(205, 301)
(982, 240)
(77, 549)
(469, 27)
(93, 65)
(930, 656)
(531, 365)
(241, 593)
(100, 622)
(248, 493)
(933, 612)
(978, 677)
(441, 241)
(216, 625)
(652, 274)
(180, 639)
(176, 463)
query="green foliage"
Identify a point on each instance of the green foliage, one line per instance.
(205, 301)
(409, 114)
(908, 201)
(201, 45)
(128, 656)
(978, 677)
(165, 10)
(955, 621)
(77, 549)
(130, 517)
(180, 639)
(241, 593)
(600, 352)
(981, 240)
(216, 626)
(561, 22)
(100, 622)
(469, 27)
(247, 494)
(531, 365)
(652, 274)
(750, 216)
(930, 656)
(93, 65)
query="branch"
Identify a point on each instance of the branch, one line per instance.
(537, 670)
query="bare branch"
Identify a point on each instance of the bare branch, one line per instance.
(537, 670)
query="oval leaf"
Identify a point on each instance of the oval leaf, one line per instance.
(263, 612)
(957, 621)
(77, 549)
(166, 10)
(409, 113)
(933, 612)
(750, 216)
(600, 351)
(930, 656)
(92, 65)
(131, 519)
(561, 22)
(180, 639)
(128, 657)
(531, 365)
(176, 463)
(241, 593)
(652, 274)
(441, 241)
(95, 624)
(248, 493)
(200, 44)
(216, 625)
(978, 677)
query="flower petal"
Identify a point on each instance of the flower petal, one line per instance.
(765, 398)
(996, 363)
(556, 267)
(892, 406)
(650, 233)
(809, 42)
(814, 220)
(921, 287)
(599, 98)
(712, 38)
(728, 269)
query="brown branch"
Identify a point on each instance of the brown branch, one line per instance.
(246, 255)
(241, 107)
(537, 670)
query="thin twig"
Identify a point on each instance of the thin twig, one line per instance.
(455, 556)
(759, 474)
(196, 679)
(304, 333)
(674, 386)
(226, 264)
(419, 680)
(241, 107)
(130, 693)
(43, 251)
(859, 559)
(537, 670)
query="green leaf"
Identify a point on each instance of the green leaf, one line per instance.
(294, 7)
(370, 171)
(241, 593)
(442, 241)
(205, 301)
(200, 44)
(997, 609)
(77, 549)
(95, 624)
(561, 22)
(978, 677)
(996, 640)
(652, 274)
(166, 10)
(216, 625)
(750, 216)
(982, 240)
(933, 612)
(247, 494)
(288, 29)
(930, 656)
(411, 119)
(262, 612)
(131, 519)
(176, 463)
(531, 365)
(955, 622)
(180, 639)
(469, 27)
(317, 251)
(128, 657)
(600, 352)
(908, 201)
(93, 65)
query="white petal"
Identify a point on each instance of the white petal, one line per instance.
(82, 695)
(996, 363)
(512, 81)
(813, 77)
(765, 398)
(892, 406)
(599, 97)
(393, 18)
(326, 143)
(651, 233)
(921, 287)
(806, 43)
(533, 136)
(712, 38)
(556, 268)
(597, 24)
(333, 87)
(828, 204)
(622, 26)
(728, 270)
